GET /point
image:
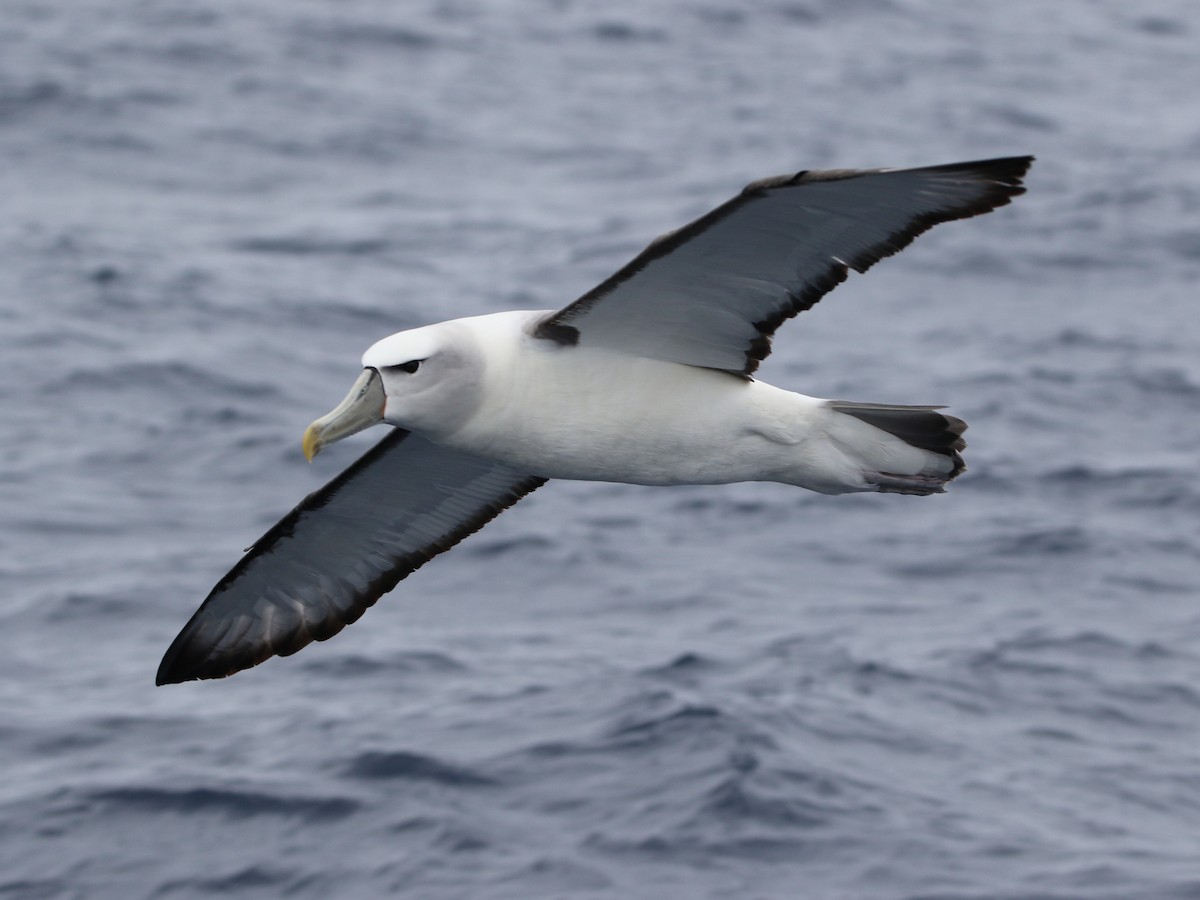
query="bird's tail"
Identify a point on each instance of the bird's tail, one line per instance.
(920, 427)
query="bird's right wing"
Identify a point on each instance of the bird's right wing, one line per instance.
(346, 545)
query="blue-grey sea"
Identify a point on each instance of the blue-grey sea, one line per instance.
(209, 209)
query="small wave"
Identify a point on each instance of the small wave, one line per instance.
(230, 802)
(1165, 381)
(724, 505)
(27, 889)
(445, 835)
(425, 661)
(358, 36)
(1184, 243)
(1081, 644)
(1151, 584)
(1094, 475)
(1057, 735)
(1181, 696)
(677, 848)
(547, 874)
(1161, 26)
(248, 878)
(685, 665)
(527, 543)
(82, 606)
(664, 723)
(33, 96)
(374, 765)
(1022, 118)
(624, 33)
(669, 725)
(406, 663)
(310, 245)
(1091, 677)
(172, 378)
(1065, 541)
(733, 800)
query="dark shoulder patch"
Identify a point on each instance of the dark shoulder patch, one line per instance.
(565, 335)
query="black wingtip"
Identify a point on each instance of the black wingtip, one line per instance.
(169, 673)
(196, 655)
(178, 664)
(187, 664)
(1008, 170)
(1006, 175)
(198, 652)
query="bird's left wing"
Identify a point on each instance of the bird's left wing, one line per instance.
(346, 545)
(712, 293)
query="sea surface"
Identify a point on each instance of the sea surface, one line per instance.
(209, 209)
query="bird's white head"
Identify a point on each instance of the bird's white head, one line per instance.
(426, 380)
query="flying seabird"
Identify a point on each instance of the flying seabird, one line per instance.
(645, 379)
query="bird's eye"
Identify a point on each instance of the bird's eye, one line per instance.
(410, 366)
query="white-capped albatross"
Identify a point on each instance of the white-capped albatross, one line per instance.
(645, 379)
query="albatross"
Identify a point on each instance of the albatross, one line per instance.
(647, 378)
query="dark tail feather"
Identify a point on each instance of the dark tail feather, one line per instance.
(919, 426)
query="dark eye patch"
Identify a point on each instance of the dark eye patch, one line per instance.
(410, 366)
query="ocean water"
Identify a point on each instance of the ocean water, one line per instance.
(210, 209)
